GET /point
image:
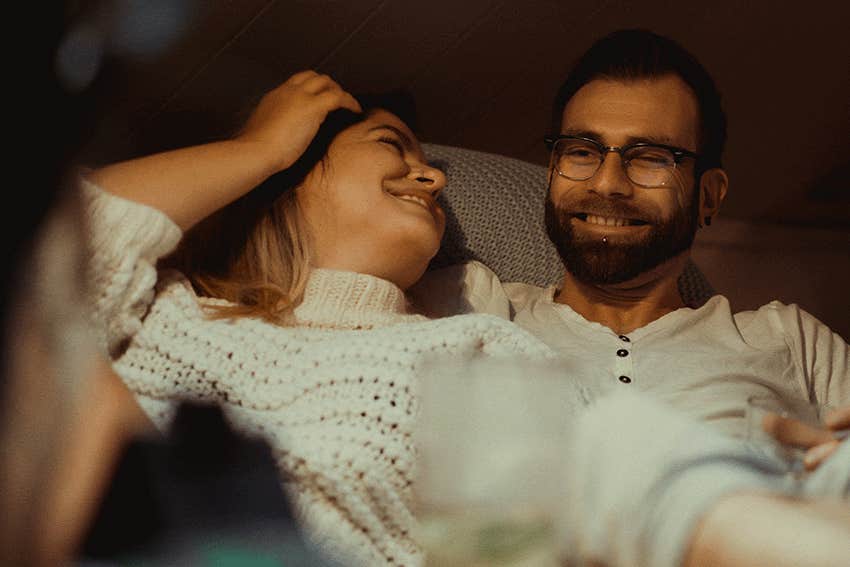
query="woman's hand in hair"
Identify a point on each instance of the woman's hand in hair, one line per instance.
(189, 184)
(287, 118)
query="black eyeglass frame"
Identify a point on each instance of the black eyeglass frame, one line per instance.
(678, 153)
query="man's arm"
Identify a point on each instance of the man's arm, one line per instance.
(824, 359)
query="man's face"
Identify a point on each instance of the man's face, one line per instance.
(607, 229)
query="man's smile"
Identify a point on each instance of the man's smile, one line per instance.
(607, 221)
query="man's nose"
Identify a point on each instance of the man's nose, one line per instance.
(611, 179)
(429, 178)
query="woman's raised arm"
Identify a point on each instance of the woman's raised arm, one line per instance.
(191, 183)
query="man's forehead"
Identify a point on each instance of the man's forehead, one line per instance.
(661, 109)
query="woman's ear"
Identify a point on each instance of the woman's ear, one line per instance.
(713, 185)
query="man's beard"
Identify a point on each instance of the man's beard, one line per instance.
(594, 261)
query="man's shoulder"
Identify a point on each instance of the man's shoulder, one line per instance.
(779, 318)
(772, 311)
(469, 287)
(521, 294)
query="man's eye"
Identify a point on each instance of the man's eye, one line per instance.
(393, 142)
(581, 155)
(652, 158)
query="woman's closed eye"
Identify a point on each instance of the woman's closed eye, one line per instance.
(392, 142)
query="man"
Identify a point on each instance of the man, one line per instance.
(635, 171)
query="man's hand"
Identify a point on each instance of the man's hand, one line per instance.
(819, 442)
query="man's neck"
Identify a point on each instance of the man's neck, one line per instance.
(629, 305)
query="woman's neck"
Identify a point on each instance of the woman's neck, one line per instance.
(349, 300)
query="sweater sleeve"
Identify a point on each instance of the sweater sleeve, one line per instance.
(126, 239)
(504, 338)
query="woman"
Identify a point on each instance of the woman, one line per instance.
(288, 309)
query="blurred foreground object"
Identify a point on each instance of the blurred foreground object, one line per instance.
(203, 496)
(492, 437)
(63, 414)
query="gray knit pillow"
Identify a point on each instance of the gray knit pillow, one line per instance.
(494, 209)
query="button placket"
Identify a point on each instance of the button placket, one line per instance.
(623, 366)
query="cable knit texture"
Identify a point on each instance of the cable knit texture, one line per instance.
(335, 396)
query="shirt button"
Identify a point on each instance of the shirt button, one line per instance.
(625, 339)
(625, 380)
(622, 352)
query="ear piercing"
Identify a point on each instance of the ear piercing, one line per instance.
(604, 240)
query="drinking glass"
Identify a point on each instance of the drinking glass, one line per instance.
(491, 465)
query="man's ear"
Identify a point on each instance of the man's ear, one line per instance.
(712, 190)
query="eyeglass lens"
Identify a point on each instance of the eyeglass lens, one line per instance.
(648, 166)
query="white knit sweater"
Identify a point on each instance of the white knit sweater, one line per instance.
(335, 396)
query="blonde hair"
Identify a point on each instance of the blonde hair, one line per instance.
(254, 253)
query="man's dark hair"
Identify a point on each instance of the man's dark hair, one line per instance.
(641, 54)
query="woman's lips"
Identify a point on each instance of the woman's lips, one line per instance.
(420, 198)
(414, 199)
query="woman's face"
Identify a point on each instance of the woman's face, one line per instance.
(371, 205)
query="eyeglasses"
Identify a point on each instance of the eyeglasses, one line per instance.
(646, 165)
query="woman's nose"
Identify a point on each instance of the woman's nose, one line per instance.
(430, 178)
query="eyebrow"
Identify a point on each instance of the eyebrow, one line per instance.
(662, 140)
(405, 139)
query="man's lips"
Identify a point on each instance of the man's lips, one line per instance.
(608, 221)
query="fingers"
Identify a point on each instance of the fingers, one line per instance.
(819, 453)
(319, 83)
(330, 92)
(838, 418)
(793, 432)
(326, 89)
(302, 76)
(337, 98)
(819, 443)
(287, 118)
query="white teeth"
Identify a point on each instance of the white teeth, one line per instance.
(607, 221)
(414, 199)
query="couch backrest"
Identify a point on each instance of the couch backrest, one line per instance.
(494, 208)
